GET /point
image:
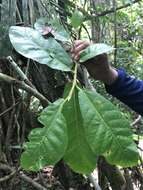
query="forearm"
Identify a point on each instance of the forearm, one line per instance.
(110, 77)
(128, 90)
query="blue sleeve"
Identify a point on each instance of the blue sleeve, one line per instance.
(128, 90)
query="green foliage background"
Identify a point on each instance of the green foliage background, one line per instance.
(101, 22)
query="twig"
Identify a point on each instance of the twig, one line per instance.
(87, 81)
(86, 30)
(140, 148)
(104, 13)
(7, 177)
(10, 127)
(31, 181)
(115, 31)
(4, 106)
(9, 109)
(136, 121)
(94, 183)
(17, 69)
(1, 135)
(18, 13)
(23, 86)
(112, 10)
(27, 67)
(21, 175)
(5, 167)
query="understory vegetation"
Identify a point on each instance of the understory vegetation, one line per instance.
(59, 129)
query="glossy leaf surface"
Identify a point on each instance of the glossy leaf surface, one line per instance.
(77, 19)
(46, 145)
(93, 50)
(79, 155)
(31, 44)
(107, 131)
(57, 28)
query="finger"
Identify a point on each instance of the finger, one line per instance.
(72, 55)
(80, 43)
(77, 57)
(81, 47)
(76, 44)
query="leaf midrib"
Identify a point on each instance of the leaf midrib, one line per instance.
(76, 120)
(100, 116)
(49, 128)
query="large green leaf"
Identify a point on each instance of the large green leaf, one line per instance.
(93, 50)
(107, 131)
(57, 28)
(46, 145)
(77, 19)
(79, 155)
(31, 44)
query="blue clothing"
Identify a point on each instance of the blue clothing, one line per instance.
(128, 90)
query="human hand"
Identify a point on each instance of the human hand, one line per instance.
(98, 66)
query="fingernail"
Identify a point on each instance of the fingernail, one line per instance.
(76, 58)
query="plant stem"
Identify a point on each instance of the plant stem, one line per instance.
(23, 86)
(18, 71)
(74, 83)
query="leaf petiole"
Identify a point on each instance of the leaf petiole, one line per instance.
(73, 84)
